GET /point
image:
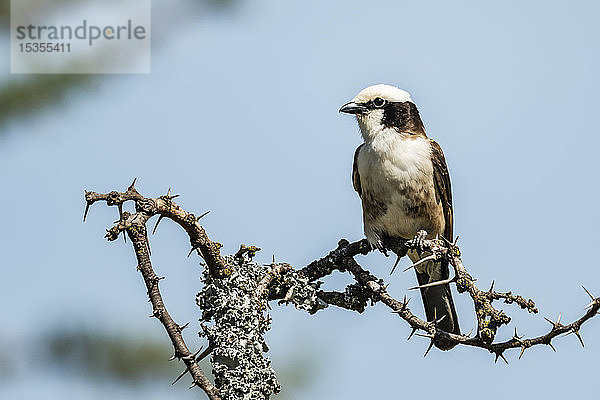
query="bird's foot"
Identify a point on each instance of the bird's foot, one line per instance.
(418, 242)
(378, 245)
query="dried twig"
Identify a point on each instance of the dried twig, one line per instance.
(135, 226)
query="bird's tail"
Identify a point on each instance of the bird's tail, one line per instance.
(438, 303)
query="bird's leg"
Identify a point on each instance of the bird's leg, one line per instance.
(418, 242)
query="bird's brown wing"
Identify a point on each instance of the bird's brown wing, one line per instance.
(443, 191)
(438, 300)
(355, 176)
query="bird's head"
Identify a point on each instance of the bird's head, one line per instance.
(381, 107)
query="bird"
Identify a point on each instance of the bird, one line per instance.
(403, 182)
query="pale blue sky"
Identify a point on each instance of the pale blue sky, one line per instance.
(239, 115)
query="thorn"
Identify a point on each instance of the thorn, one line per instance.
(593, 303)
(576, 332)
(588, 292)
(522, 351)
(181, 328)
(206, 352)
(492, 287)
(517, 335)
(551, 346)
(436, 283)
(554, 324)
(203, 215)
(440, 320)
(120, 208)
(456, 240)
(124, 237)
(148, 243)
(132, 186)
(429, 348)
(173, 357)
(85, 213)
(412, 333)
(421, 261)
(186, 370)
(404, 304)
(395, 265)
(168, 196)
(501, 355)
(196, 353)
(469, 334)
(425, 335)
(192, 385)
(191, 251)
(157, 222)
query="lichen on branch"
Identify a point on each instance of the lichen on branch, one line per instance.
(234, 321)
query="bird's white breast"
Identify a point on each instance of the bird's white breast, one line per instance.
(397, 156)
(398, 194)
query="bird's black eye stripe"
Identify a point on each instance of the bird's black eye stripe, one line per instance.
(378, 102)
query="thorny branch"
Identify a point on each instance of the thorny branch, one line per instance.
(489, 319)
(239, 281)
(135, 227)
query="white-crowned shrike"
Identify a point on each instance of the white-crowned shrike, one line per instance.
(403, 182)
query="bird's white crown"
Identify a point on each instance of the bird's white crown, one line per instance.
(386, 92)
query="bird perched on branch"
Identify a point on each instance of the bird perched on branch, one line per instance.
(403, 182)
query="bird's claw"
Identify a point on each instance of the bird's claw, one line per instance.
(378, 245)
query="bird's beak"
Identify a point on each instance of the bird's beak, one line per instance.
(353, 108)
